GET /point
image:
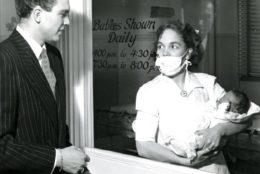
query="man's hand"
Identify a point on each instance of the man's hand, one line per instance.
(72, 160)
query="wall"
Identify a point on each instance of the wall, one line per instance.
(7, 18)
(226, 43)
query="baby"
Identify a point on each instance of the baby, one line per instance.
(232, 107)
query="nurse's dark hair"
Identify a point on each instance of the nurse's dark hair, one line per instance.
(190, 36)
(25, 7)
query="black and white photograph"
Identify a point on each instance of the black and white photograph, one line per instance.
(129, 86)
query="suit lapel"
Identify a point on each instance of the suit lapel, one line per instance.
(56, 66)
(55, 63)
(34, 75)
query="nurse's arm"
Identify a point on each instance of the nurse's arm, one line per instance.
(214, 138)
(154, 151)
(228, 129)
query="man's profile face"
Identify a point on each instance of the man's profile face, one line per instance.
(53, 22)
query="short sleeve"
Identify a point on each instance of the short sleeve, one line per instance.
(146, 100)
(214, 89)
(218, 91)
(146, 124)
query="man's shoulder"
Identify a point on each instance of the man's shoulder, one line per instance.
(12, 43)
(6, 46)
(5, 42)
(7, 51)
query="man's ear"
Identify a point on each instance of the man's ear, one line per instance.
(37, 14)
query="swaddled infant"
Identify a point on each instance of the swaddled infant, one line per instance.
(232, 107)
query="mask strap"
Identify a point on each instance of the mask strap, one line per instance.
(187, 78)
(187, 64)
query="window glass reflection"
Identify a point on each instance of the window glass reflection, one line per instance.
(123, 58)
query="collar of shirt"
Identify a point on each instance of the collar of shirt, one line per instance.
(191, 81)
(36, 48)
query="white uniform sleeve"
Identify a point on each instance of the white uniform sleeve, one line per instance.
(146, 124)
(218, 91)
(146, 100)
(215, 91)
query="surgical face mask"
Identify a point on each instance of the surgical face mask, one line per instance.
(171, 65)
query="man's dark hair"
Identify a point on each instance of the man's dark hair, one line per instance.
(24, 7)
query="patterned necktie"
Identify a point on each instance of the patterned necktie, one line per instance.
(45, 64)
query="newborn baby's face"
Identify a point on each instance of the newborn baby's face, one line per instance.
(228, 102)
(224, 107)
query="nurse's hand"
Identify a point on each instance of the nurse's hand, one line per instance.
(212, 138)
(203, 156)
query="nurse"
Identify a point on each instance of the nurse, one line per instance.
(166, 106)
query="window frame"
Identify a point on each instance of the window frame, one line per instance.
(78, 61)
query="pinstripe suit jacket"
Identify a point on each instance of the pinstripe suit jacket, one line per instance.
(32, 121)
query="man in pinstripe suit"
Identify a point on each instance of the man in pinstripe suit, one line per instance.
(33, 135)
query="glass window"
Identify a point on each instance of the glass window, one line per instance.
(123, 42)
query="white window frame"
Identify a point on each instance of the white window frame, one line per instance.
(76, 48)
